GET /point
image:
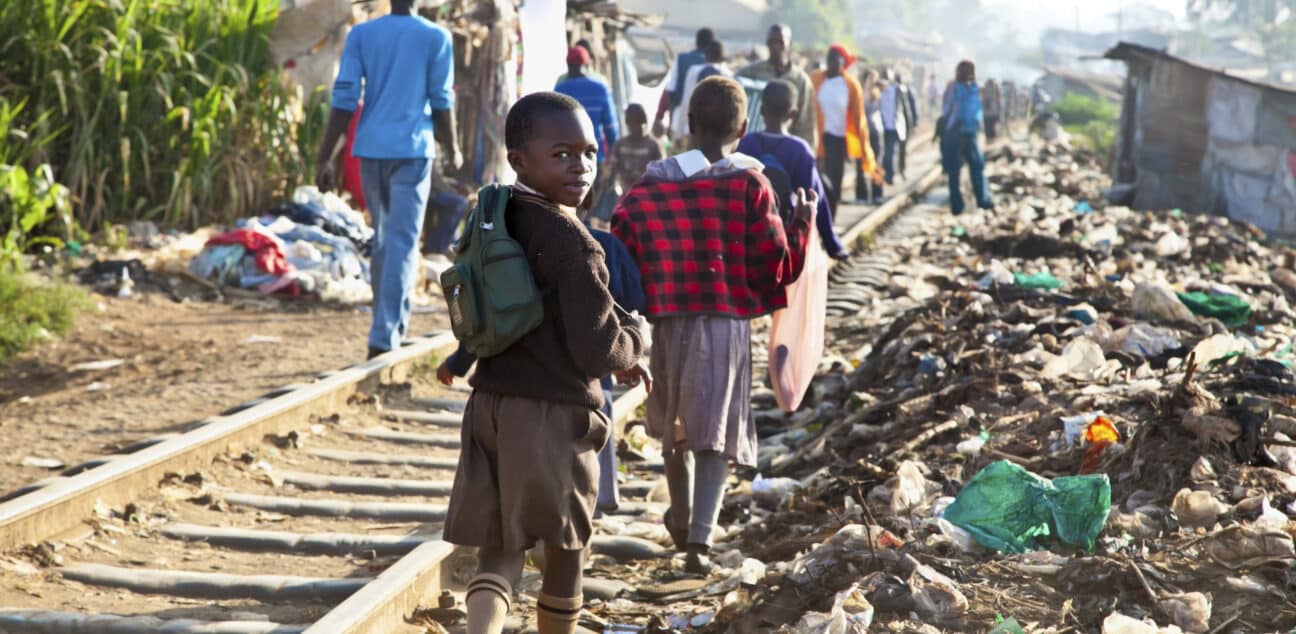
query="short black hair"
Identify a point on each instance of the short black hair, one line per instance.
(704, 36)
(718, 106)
(715, 51)
(636, 108)
(520, 123)
(779, 97)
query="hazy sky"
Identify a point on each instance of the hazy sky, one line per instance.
(1093, 15)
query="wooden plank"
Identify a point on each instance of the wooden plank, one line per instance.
(65, 504)
(215, 585)
(366, 486)
(444, 441)
(436, 419)
(373, 457)
(282, 541)
(29, 621)
(384, 511)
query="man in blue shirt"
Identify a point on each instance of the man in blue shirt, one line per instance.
(403, 66)
(594, 96)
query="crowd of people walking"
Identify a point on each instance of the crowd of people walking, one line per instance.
(704, 238)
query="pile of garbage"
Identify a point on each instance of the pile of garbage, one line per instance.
(314, 243)
(1060, 415)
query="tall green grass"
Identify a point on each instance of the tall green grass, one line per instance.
(166, 110)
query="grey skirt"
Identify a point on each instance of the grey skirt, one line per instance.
(702, 377)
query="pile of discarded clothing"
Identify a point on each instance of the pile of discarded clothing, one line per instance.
(313, 244)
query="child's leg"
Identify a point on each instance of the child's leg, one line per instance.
(711, 471)
(490, 593)
(679, 481)
(608, 499)
(559, 605)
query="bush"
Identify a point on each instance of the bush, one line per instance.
(1077, 109)
(152, 109)
(31, 312)
(1092, 122)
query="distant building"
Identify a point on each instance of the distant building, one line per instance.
(1200, 139)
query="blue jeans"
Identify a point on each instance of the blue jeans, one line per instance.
(396, 191)
(607, 495)
(892, 139)
(958, 148)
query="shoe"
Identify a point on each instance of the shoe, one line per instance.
(841, 255)
(373, 352)
(697, 562)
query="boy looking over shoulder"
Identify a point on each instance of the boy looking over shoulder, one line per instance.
(532, 428)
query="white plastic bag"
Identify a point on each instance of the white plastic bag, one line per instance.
(796, 339)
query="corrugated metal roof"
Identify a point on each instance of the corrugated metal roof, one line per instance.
(1126, 51)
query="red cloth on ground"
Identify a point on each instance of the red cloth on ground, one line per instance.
(269, 257)
(711, 245)
(351, 165)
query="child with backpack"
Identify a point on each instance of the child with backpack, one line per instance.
(532, 427)
(714, 254)
(961, 118)
(790, 162)
(627, 291)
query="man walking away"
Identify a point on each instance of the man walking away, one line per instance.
(403, 66)
(894, 126)
(712, 66)
(672, 98)
(780, 66)
(910, 105)
(993, 108)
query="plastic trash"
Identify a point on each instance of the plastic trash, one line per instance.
(910, 491)
(1217, 347)
(1231, 310)
(1098, 435)
(1144, 340)
(1117, 623)
(1083, 207)
(796, 336)
(971, 447)
(935, 595)
(1107, 234)
(1156, 300)
(851, 614)
(996, 274)
(1008, 626)
(1171, 244)
(1197, 509)
(1191, 611)
(1080, 359)
(1010, 509)
(1073, 427)
(1037, 281)
(1083, 313)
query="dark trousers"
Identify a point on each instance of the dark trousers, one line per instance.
(892, 139)
(834, 168)
(992, 127)
(956, 149)
(865, 188)
(902, 153)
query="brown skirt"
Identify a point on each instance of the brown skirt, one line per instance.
(528, 471)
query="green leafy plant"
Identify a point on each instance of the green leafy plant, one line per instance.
(152, 109)
(32, 312)
(28, 201)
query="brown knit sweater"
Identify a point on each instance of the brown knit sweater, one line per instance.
(581, 338)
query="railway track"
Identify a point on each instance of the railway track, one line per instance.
(314, 509)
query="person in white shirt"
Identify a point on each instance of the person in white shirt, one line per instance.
(713, 66)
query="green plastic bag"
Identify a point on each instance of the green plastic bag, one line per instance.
(1038, 281)
(1233, 312)
(1010, 509)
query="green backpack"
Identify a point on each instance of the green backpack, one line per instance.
(491, 294)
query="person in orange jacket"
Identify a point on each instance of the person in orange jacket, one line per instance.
(843, 136)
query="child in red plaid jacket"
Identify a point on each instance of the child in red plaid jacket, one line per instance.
(713, 253)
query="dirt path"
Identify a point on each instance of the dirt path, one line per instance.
(180, 363)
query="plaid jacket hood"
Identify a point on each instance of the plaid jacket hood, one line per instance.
(708, 238)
